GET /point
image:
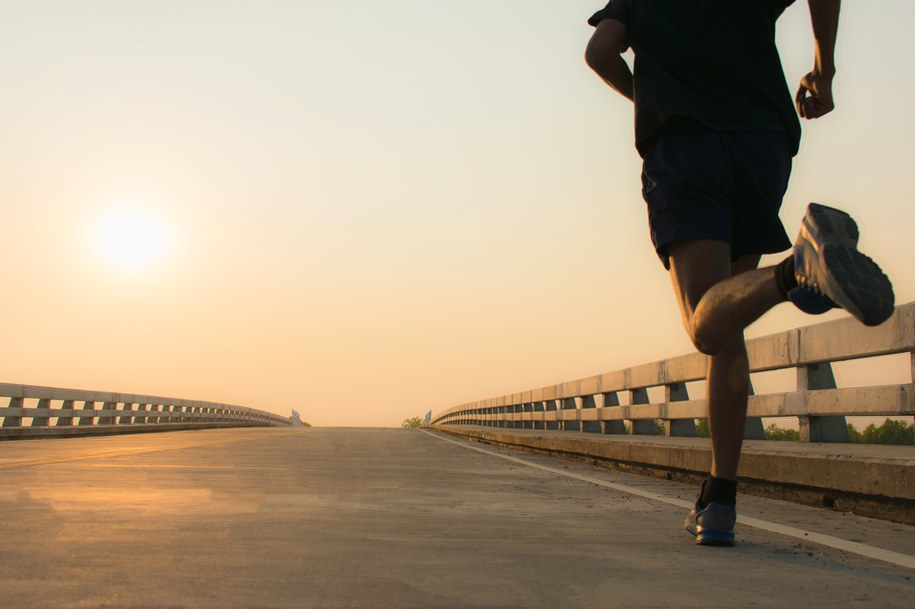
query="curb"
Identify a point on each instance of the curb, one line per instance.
(871, 481)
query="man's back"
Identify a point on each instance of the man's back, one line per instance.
(713, 61)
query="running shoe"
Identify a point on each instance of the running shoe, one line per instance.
(831, 272)
(712, 525)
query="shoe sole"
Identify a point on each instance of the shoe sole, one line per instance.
(716, 538)
(834, 225)
(857, 284)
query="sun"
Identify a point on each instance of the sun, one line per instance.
(131, 237)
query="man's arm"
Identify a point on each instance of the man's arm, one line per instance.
(814, 97)
(603, 55)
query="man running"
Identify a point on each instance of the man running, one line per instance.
(717, 130)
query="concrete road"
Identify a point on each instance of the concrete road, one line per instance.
(391, 518)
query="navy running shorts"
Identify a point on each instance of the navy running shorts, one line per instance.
(700, 183)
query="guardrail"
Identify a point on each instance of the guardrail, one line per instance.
(53, 411)
(593, 404)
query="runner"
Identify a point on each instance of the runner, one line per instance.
(717, 130)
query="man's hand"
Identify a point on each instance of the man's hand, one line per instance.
(814, 97)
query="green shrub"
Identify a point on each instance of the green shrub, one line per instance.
(412, 423)
(891, 432)
(774, 432)
(702, 429)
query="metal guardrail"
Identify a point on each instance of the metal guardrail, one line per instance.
(53, 411)
(593, 404)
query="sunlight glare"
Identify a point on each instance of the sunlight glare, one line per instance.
(131, 238)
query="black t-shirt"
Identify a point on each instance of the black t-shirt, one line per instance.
(713, 61)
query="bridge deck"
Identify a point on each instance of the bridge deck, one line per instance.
(391, 518)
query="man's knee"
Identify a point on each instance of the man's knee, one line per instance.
(704, 344)
(733, 349)
(713, 343)
(703, 334)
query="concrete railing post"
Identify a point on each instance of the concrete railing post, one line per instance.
(677, 392)
(617, 426)
(108, 419)
(87, 419)
(820, 429)
(640, 427)
(552, 411)
(540, 408)
(43, 417)
(588, 402)
(753, 427)
(13, 421)
(66, 414)
(574, 425)
(126, 417)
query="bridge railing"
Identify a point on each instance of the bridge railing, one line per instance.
(54, 411)
(593, 404)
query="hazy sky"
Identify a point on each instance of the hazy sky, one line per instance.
(366, 210)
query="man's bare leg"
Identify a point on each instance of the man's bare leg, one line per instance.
(728, 389)
(717, 301)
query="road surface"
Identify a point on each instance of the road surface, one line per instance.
(395, 518)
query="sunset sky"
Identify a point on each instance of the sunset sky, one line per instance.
(366, 210)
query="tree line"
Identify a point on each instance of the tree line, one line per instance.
(890, 432)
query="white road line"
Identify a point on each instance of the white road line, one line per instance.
(853, 547)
